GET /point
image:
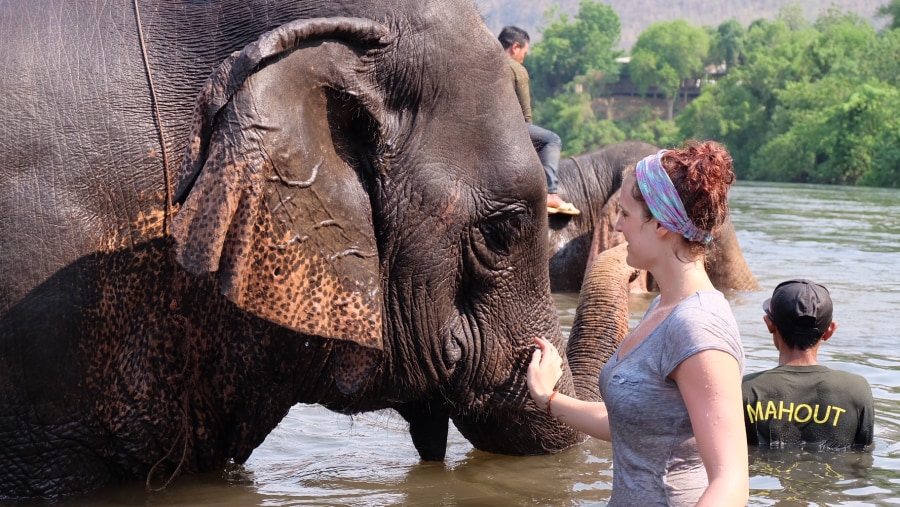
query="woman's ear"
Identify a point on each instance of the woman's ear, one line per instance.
(661, 231)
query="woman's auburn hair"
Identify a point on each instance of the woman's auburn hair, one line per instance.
(702, 173)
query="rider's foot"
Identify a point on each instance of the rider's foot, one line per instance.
(556, 205)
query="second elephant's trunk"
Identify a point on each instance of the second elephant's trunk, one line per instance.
(601, 319)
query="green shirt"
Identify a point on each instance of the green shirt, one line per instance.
(808, 404)
(522, 84)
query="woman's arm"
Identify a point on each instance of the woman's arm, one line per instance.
(543, 374)
(710, 383)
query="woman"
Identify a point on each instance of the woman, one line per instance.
(672, 390)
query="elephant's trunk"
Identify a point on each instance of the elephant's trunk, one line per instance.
(601, 319)
(726, 264)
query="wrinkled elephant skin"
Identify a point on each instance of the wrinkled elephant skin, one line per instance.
(591, 181)
(212, 211)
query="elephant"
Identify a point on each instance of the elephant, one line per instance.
(591, 181)
(213, 211)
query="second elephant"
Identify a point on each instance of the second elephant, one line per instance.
(591, 181)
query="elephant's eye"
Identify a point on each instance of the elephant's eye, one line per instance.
(499, 234)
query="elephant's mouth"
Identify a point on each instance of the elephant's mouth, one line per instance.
(481, 377)
(452, 353)
(454, 340)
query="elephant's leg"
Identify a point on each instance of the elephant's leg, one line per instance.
(429, 422)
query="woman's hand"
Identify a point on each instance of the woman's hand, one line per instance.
(544, 371)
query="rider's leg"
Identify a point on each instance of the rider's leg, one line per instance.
(549, 156)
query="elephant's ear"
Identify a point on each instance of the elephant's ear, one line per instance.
(274, 185)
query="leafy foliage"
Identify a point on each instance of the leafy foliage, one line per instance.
(636, 15)
(666, 54)
(809, 103)
(571, 116)
(793, 100)
(728, 43)
(569, 50)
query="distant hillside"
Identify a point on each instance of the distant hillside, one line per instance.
(636, 15)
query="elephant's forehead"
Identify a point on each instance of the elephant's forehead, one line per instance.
(440, 41)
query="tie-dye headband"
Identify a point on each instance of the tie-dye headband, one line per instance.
(663, 200)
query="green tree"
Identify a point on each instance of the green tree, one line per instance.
(890, 10)
(569, 50)
(667, 53)
(884, 60)
(741, 109)
(885, 161)
(728, 43)
(825, 124)
(861, 122)
(843, 43)
(830, 141)
(656, 131)
(572, 117)
(808, 103)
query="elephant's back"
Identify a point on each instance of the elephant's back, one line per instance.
(75, 137)
(71, 76)
(86, 116)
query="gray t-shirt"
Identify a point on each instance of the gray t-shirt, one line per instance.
(655, 455)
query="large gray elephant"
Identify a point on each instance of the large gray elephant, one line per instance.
(212, 211)
(591, 181)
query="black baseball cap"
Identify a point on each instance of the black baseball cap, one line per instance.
(800, 309)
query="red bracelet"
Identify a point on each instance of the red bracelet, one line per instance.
(550, 399)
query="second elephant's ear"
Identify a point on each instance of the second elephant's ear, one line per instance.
(274, 182)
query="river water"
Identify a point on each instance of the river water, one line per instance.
(846, 238)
